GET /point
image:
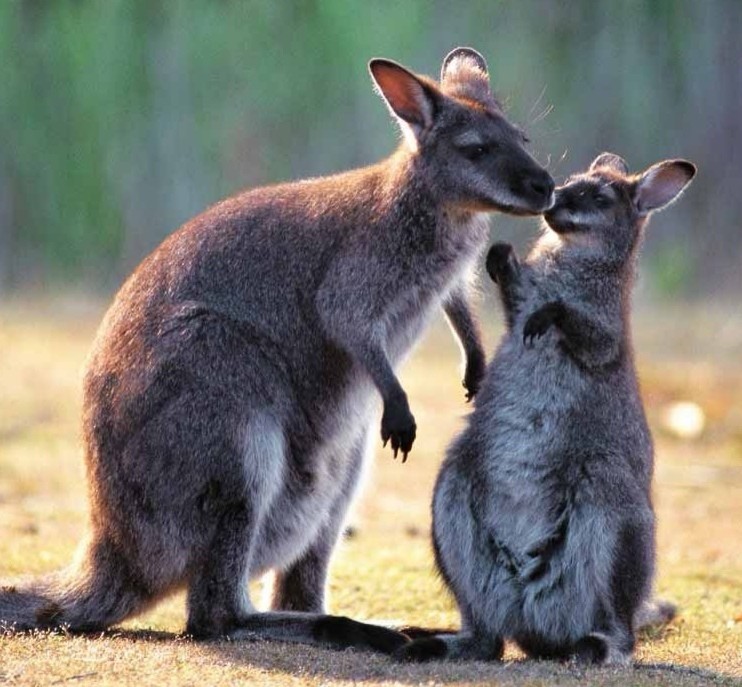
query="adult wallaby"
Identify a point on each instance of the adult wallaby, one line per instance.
(230, 391)
(543, 521)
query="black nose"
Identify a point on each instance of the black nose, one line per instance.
(542, 186)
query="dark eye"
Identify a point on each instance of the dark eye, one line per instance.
(602, 201)
(475, 152)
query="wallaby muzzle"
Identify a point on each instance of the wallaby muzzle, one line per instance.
(561, 217)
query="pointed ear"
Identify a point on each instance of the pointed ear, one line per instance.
(661, 184)
(463, 57)
(408, 97)
(612, 161)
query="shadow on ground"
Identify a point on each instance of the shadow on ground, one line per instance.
(304, 662)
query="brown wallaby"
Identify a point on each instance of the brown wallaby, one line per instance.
(231, 387)
(543, 523)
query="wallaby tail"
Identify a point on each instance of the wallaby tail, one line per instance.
(96, 591)
(654, 613)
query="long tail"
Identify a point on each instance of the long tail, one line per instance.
(96, 591)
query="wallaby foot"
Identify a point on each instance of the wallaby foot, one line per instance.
(591, 649)
(422, 650)
(343, 632)
(335, 632)
(599, 649)
(451, 647)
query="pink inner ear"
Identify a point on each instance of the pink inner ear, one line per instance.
(404, 94)
(661, 184)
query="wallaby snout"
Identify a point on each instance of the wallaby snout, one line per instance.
(535, 188)
(559, 217)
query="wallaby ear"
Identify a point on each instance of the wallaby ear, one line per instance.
(661, 184)
(407, 96)
(612, 161)
(460, 58)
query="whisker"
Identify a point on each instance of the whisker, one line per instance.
(545, 113)
(538, 100)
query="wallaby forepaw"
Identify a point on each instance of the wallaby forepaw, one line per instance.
(398, 426)
(421, 650)
(501, 261)
(539, 322)
(476, 366)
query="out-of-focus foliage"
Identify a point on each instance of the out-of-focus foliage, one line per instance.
(119, 119)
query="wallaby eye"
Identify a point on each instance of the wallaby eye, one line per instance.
(602, 201)
(475, 152)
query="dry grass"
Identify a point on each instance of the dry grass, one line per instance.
(385, 570)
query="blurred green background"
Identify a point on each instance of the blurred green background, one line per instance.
(120, 119)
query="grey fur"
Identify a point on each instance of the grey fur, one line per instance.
(543, 520)
(232, 385)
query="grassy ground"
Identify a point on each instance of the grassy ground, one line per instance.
(385, 570)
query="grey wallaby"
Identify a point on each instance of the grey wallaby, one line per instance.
(230, 392)
(543, 521)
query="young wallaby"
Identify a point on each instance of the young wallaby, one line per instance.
(231, 388)
(543, 521)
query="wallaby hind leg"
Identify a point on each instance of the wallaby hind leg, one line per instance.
(218, 593)
(218, 598)
(612, 641)
(302, 586)
(219, 605)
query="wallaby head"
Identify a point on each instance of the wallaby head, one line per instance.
(602, 211)
(465, 149)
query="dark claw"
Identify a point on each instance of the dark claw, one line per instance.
(476, 367)
(540, 321)
(398, 424)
